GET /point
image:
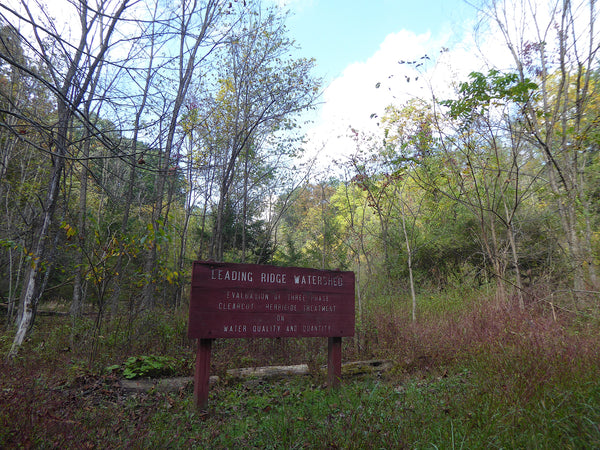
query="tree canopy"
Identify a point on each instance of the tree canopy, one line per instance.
(149, 135)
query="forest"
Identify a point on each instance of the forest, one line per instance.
(138, 137)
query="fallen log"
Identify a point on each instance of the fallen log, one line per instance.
(144, 385)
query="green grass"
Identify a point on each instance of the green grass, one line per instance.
(487, 376)
(463, 409)
(454, 411)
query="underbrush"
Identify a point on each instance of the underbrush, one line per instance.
(483, 375)
(458, 409)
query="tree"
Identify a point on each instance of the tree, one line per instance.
(150, 36)
(70, 71)
(311, 228)
(195, 25)
(22, 168)
(486, 156)
(558, 49)
(369, 168)
(259, 90)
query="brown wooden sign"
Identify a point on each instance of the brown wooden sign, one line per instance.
(249, 300)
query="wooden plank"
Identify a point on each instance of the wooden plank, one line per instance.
(250, 300)
(224, 300)
(247, 325)
(265, 277)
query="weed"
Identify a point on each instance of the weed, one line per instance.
(477, 375)
(148, 366)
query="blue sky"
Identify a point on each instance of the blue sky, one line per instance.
(340, 32)
(358, 43)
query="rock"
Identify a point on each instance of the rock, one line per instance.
(362, 367)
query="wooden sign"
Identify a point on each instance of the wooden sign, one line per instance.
(250, 300)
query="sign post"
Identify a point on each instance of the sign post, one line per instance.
(334, 360)
(250, 300)
(202, 373)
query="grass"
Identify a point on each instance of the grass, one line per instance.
(486, 376)
(453, 411)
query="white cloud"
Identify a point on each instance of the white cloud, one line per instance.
(403, 67)
(407, 66)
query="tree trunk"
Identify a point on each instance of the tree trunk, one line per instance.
(245, 206)
(555, 121)
(70, 89)
(30, 294)
(186, 73)
(77, 301)
(409, 263)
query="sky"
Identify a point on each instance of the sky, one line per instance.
(340, 32)
(360, 43)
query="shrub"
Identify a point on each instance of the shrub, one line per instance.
(148, 366)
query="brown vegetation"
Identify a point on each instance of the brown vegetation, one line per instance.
(53, 394)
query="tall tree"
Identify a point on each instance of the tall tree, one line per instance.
(22, 168)
(259, 91)
(487, 155)
(558, 49)
(142, 77)
(70, 69)
(195, 23)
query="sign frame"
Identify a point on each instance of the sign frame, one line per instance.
(233, 300)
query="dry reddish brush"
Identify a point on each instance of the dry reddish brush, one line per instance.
(54, 394)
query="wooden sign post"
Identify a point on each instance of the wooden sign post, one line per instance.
(250, 300)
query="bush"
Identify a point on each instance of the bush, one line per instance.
(148, 366)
